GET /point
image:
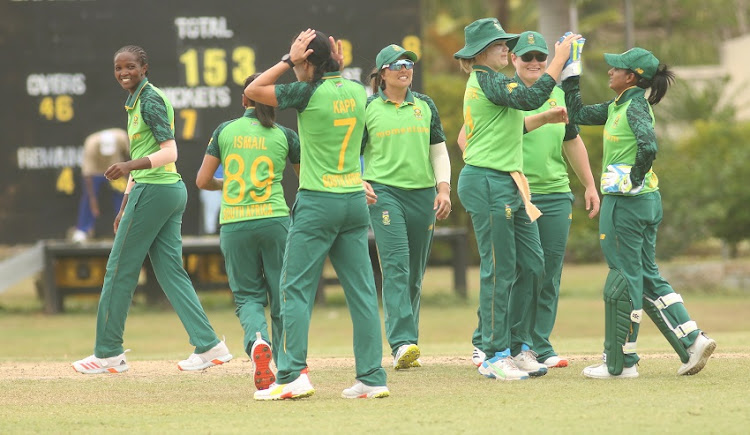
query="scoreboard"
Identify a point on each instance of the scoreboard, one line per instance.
(58, 84)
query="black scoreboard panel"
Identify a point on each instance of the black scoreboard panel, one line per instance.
(58, 83)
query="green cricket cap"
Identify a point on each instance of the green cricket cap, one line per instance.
(480, 34)
(391, 53)
(637, 59)
(530, 41)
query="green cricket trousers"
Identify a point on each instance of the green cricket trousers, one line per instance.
(403, 222)
(628, 227)
(151, 224)
(254, 253)
(508, 247)
(333, 224)
(554, 227)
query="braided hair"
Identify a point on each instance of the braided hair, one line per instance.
(139, 53)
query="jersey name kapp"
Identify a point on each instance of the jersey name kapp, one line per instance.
(344, 106)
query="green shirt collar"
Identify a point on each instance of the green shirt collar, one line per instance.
(630, 93)
(482, 68)
(250, 113)
(408, 100)
(331, 75)
(130, 102)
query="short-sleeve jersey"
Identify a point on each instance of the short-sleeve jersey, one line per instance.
(543, 162)
(150, 122)
(330, 121)
(397, 140)
(253, 158)
(493, 117)
(629, 136)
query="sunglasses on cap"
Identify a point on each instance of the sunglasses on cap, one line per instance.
(528, 57)
(395, 66)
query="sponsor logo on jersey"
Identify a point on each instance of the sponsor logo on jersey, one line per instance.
(386, 218)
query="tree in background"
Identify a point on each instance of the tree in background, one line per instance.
(680, 32)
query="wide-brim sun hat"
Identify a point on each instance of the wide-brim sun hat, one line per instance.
(637, 59)
(480, 34)
(392, 53)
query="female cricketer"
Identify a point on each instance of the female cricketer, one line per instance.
(329, 217)
(405, 157)
(547, 172)
(252, 151)
(149, 222)
(494, 191)
(630, 216)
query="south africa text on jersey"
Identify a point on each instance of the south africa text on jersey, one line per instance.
(342, 180)
(250, 142)
(246, 211)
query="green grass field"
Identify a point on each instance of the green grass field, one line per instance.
(39, 392)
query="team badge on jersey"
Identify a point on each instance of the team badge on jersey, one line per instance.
(508, 212)
(339, 84)
(510, 86)
(135, 121)
(617, 119)
(417, 113)
(254, 122)
(386, 218)
(552, 102)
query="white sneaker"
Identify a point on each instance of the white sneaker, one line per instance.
(362, 391)
(600, 371)
(92, 364)
(555, 362)
(526, 361)
(478, 357)
(297, 389)
(502, 368)
(78, 236)
(699, 353)
(405, 356)
(215, 356)
(261, 355)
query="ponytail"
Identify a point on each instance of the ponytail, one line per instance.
(662, 80)
(321, 58)
(376, 81)
(266, 114)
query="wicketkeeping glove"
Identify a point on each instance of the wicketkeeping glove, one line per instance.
(617, 180)
(573, 65)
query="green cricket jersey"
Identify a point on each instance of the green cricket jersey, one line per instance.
(150, 122)
(629, 136)
(543, 162)
(330, 120)
(253, 158)
(397, 139)
(493, 117)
